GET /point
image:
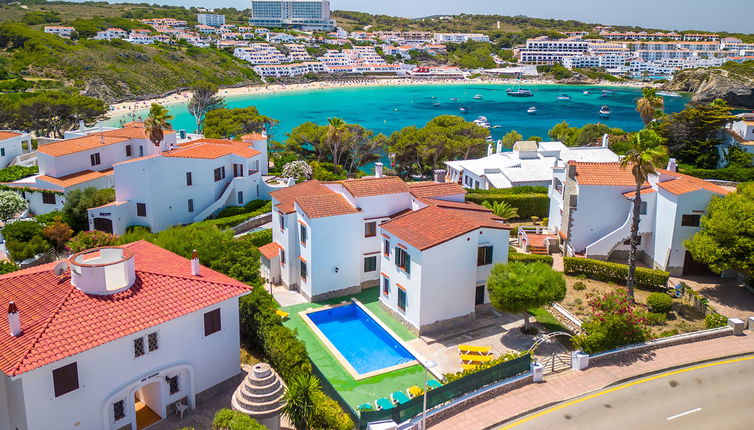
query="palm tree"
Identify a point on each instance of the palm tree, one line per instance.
(299, 397)
(334, 138)
(650, 105)
(156, 123)
(502, 209)
(645, 153)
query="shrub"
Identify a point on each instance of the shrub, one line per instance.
(525, 189)
(261, 237)
(615, 322)
(14, 173)
(7, 267)
(234, 220)
(647, 279)
(656, 318)
(715, 320)
(579, 286)
(24, 239)
(136, 233)
(668, 333)
(91, 239)
(530, 258)
(11, 205)
(660, 303)
(250, 207)
(78, 202)
(528, 205)
(226, 419)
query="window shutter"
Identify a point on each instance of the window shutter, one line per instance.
(65, 379)
(489, 255)
(407, 259)
(397, 250)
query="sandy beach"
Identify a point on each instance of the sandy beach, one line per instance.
(125, 108)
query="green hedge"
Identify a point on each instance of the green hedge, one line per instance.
(227, 419)
(734, 173)
(232, 221)
(646, 279)
(528, 205)
(526, 189)
(530, 258)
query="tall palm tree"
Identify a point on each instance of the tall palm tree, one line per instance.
(645, 153)
(299, 397)
(650, 105)
(502, 209)
(335, 136)
(156, 123)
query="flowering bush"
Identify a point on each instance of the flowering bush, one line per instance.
(615, 322)
(298, 169)
(91, 239)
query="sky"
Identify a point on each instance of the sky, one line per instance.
(720, 15)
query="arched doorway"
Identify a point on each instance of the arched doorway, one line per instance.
(148, 404)
(103, 224)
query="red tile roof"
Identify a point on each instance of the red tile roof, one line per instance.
(434, 189)
(433, 225)
(631, 194)
(59, 320)
(286, 196)
(686, 184)
(594, 173)
(212, 148)
(469, 206)
(75, 178)
(325, 205)
(8, 134)
(366, 187)
(132, 130)
(254, 136)
(270, 250)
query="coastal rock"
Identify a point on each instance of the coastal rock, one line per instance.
(710, 84)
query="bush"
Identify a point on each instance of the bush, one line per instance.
(528, 205)
(530, 258)
(24, 239)
(525, 189)
(579, 286)
(7, 267)
(615, 323)
(78, 202)
(226, 419)
(646, 279)
(656, 318)
(660, 303)
(252, 206)
(715, 320)
(261, 237)
(91, 239)
(731, 173)
(14, 173)
(234, 220)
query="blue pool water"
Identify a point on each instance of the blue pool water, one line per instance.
(363, 342)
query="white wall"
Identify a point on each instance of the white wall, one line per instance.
(600, 210)
(12, 147)
(693, 203)
(333, 242)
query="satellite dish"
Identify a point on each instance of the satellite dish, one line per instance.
(60, 268)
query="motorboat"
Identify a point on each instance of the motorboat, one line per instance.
(463, 109)
(606, 93)
(436, 104)
(668, 94)
(477, 97)
(605, 111)
(481, 121)
(564, 96)
(519, 93)
(586, 93)
(454, 99)
(532, 110)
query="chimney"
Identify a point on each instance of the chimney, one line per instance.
(605, 141)
(195, 263)
(499, 146)
(439, 175)
(378, 169)
(14, 320)
(489, 149)
(672, 166)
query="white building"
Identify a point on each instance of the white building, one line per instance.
(185, 185)
(543, 50)
(111, 33)
(260, 53)
(591, 213)
(304, 14)
(640, 36)
(388, 234)
(211, 19)
(529, 163)
(701, 37)
(12, 145)
(460, 37)
(103, 350)
(61, 31)
(290, 70)
(739, 134)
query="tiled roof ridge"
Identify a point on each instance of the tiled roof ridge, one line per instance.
(194, 278)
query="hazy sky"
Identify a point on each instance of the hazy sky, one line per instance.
(718, 15)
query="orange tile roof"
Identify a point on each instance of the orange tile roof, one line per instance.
(325, 205)
(8, 134)
(631, 194)
(85, 143)
(254, 136)
(686, 184)
(433, 189)
(366, 187)
(211, 150)
(469, 206)
(286, 196)
(433, 225)
(75, 178)
(594, 173)
(59, 321)
(270, 250)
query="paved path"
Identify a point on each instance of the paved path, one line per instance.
(572, 384)
(727, 296)
(712, 395)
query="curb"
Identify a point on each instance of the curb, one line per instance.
(612, 384)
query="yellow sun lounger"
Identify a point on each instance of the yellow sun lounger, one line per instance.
(476, 358)
(481, 350)
(414, 391)
(282, 314)
(466, 366)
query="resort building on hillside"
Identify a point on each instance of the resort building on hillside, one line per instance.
(419, 242)
(12, 146)
(124, 337)
(738, 134)
(211, 19)
(186, 184)
(61, 31)
(591, 207)
(529, 163)
(84, 159)
(303, 14)
(111, 33)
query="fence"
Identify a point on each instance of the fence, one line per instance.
(332, 393)
(448, 392)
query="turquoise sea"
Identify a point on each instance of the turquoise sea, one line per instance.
(386, 109)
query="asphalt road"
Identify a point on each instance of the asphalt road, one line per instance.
(716, 395)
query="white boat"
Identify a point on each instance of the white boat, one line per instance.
(436, 104)
(477, 97)
(586, 93)
(482, 122)
(668, 94)
(563, 96)
(454, 99)
(605, 111)
(463, 109)
(532, 110)
(519, 93)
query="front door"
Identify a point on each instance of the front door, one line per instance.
(103, 224)
(694, 268)
(479, 295)
(148, 405)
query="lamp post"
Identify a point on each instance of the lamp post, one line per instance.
(429, 364)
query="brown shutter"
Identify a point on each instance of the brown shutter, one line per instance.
(65, 379)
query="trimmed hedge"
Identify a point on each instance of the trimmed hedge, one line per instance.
(646, 279)
(232, 221)
(528, 205)
(530, 258)
(227, 419)
(525, 189)
(731, 173)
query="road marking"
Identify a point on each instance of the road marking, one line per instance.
(620, 387)
(683, 413)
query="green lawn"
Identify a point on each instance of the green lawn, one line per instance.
(365, 390)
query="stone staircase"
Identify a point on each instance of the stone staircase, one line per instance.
(260, 395)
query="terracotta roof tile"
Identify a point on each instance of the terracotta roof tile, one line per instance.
(8, 134)
(631, 194)
(59, 320)
(469, 206)
(286, 196)
(433, 225)
(325, 205)
(210, 151)
(75, 178)
(270, 250)
(366, 187)
(85, 143)
(686, 184)
(254, 136)
(594, 173)
(434, 189)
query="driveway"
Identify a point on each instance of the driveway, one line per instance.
(729, 297)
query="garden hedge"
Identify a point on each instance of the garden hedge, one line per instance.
(524, 189)
(646, 279)
(731, 173)
(530, 258)
(528, 205)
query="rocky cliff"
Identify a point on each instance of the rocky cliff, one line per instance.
(734, 87)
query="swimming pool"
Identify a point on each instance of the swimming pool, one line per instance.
(361, 342)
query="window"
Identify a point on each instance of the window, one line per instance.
(303, 270)
(370, 264)
(402, 259)
(173, 384)
(303, 234)
(141, 209)
(281, 218)
(484, 255)
(370, 229)
(129, 151)
(2, 152)
(190, 205)
(153, 341)
(643, 208)
(212, 322)
(141, 151)
(219, 173)
(65, 379)
(385, 286)
(119, 410)
(139, 347)
(690, 220)
(48, 198)
(282, 256)
(401, 299)
(386, 249)
(95, 159)
(240, 197)
(189, 179)
(479, 295)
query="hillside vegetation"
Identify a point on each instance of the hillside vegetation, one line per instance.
(733, 82)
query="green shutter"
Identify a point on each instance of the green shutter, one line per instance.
(408, 262)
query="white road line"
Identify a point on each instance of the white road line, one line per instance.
(683, 413)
